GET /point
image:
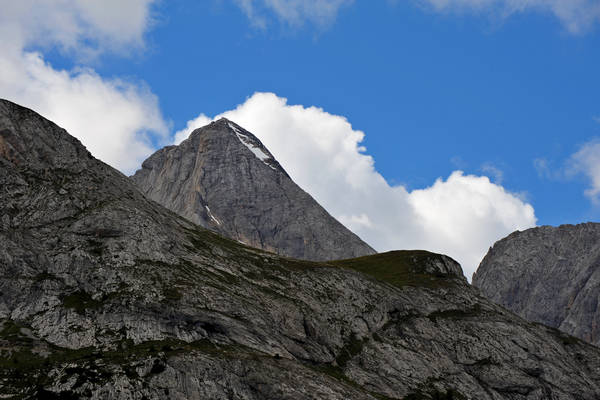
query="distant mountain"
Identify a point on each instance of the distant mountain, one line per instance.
(105, 294)
(224, 179)
(548, 275)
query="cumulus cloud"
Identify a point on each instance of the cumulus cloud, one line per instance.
(292, 12)
(118, 121)
(78, 26)
(587, 161)
(461, 215)
(195, 123)
(576, 15)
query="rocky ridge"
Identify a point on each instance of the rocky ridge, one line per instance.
(105, 294)
(549, 275)
(223, 178)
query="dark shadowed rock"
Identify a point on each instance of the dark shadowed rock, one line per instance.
(548, 275)
(107, 295)
(223, 178)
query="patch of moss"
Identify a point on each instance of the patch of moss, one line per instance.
(338, 374)
(24, 371)
(563, 337)
(351, 349)
(95, 247)
(399, 268)
(45, 276)
(435, 394)
(475, 311)
(12, 331)
(81, 301)
(43, 394)
(203, 239)
(172, 294)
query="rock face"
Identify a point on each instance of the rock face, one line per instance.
(107, 295)
(224, 179)
(548, 275)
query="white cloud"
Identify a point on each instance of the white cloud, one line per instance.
(461, 216)
(292, 12)
(197, 122)
(118, 121)
(493, 171)
(587, 161)
(576, 15)
(78, 26)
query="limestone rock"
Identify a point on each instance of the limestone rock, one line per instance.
(549, 275)
(223, 178)
(105, 294)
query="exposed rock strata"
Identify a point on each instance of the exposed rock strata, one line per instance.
(107, 295)
(548, 275)
(223, 178)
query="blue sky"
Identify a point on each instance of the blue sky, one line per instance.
(492, 91)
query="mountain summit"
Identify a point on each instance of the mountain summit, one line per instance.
(223, 178)
(549, 275)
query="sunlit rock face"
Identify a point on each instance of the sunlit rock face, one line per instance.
(223, 178)
(549, 275)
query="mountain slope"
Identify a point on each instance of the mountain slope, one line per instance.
(548, 275)
(107, 295)
(223, 178)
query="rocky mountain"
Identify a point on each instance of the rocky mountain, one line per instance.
(548, 275)
(224, 179)
(105, 294)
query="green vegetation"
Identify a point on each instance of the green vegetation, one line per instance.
(337, 373)
(456, 314)
(96, 247)
(351, 349)
(435, 394)
(561, 336)
(24, 370)
(11, 331)
(172, 294)
(428, 390)
(45, 276)
(81, 301)
(399, 268)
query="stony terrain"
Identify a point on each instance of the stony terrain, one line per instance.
(107, 295)
(223, 178)
(548, 275)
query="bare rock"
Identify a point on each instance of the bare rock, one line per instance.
(105, 294)
(223, 178)
(548, 275)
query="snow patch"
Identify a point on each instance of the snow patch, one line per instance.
(212, 216)
(251, 145)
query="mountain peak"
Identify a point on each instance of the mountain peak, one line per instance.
(252, 144)
(549, 275)
(224, 178)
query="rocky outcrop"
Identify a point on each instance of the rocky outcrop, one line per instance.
(224, 179)
(548, 275)
(107, 295)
